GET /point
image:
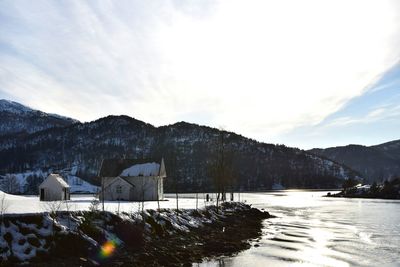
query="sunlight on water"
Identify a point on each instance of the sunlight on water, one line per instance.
(314, 231)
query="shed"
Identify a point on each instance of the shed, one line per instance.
(54, 188)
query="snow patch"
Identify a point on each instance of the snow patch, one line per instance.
(146, 169)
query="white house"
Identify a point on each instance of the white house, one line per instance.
(54, 188)
(132, 179)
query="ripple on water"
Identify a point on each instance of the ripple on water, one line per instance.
(323, 232)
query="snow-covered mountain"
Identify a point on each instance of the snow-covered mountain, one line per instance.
(188, 149)
(16, 118)
(13, 107)
(375, 163)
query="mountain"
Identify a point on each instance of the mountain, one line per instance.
(19, 119)
(189, 151)
(375, 163)
(391, 149)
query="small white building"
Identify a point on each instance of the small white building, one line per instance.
(54, 188)
(132, 179)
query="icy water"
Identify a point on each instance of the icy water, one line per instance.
(315, 231)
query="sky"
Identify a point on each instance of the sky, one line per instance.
(305, 73)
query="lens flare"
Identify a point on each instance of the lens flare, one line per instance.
(107, 249)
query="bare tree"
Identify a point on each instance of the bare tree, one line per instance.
(134, 208)
(11, 184)
(221, 167)
(53, 208)
(139, 207)
(94, 205)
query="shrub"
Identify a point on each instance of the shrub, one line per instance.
(8, 237)
(70, 245)
(34, 241)
(24, 230)
(131, 234)
(33, 219)
(28, 250)
(91, 230)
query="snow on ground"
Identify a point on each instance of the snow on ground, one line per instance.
(31, 204)
(78, 185)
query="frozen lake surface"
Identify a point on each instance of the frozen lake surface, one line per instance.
(315, 231)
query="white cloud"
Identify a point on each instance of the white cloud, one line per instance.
(386, 112)
(260, 68)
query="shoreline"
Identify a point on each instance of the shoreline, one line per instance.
(387, 190)
(225, 236)
(149, 238)
(341, 195)
(362, 195)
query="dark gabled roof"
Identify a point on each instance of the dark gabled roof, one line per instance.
(114, 167)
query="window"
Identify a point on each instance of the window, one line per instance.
(119, 189)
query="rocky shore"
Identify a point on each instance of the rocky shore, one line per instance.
(148, 238)
(387, 190)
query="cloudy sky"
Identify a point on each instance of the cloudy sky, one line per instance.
(303, 73)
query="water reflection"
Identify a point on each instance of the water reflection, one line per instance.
(315, 231)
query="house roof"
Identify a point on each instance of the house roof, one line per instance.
(57, 178)
(114, 167)
(144, 169)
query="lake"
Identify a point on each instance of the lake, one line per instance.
(312, 230)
